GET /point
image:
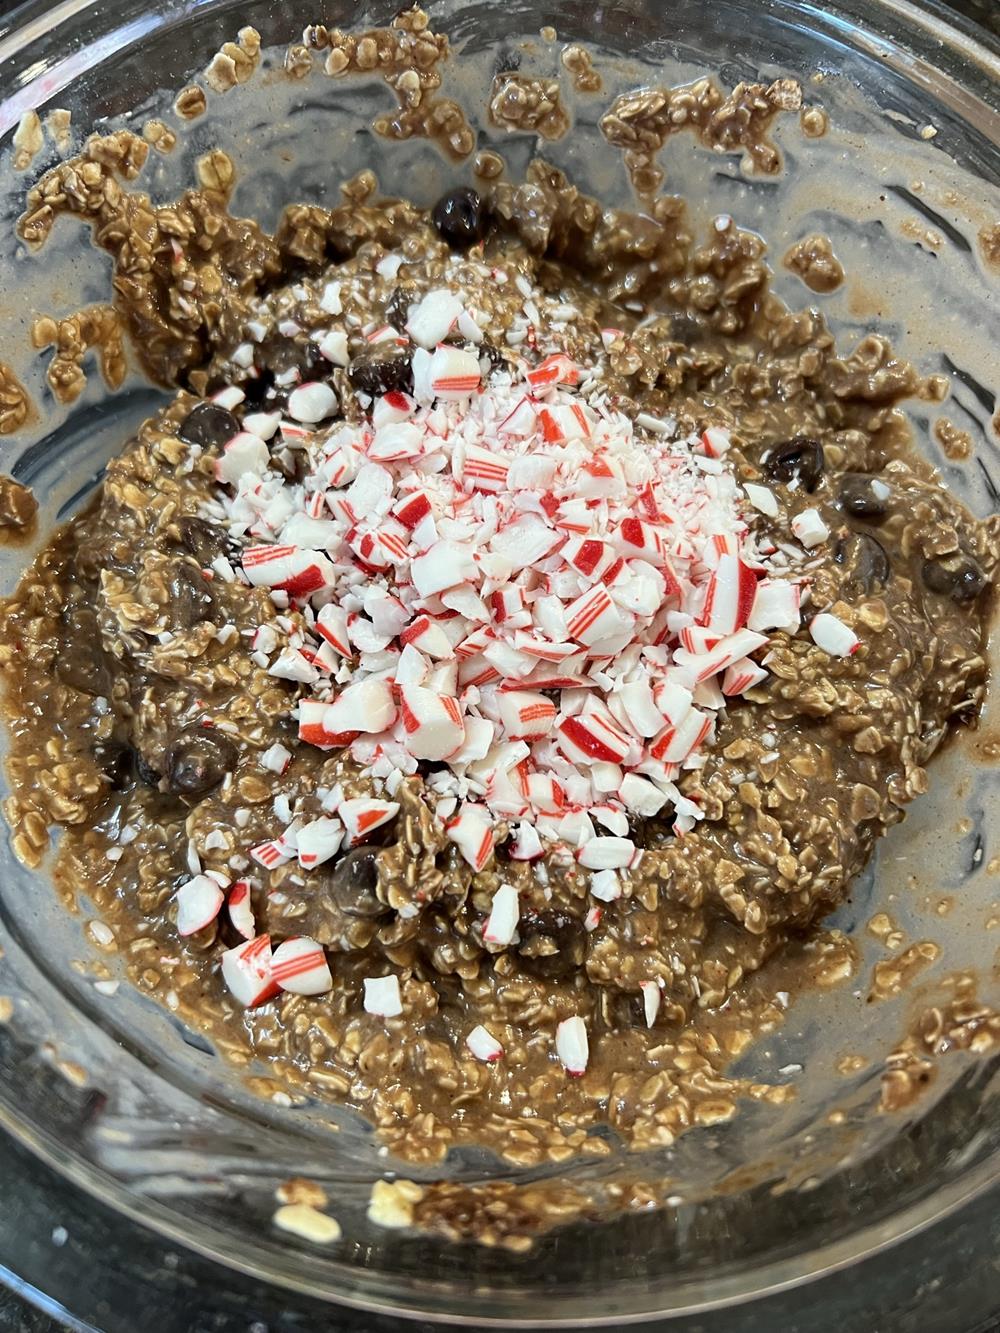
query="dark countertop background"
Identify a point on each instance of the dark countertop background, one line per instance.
(938, 1308)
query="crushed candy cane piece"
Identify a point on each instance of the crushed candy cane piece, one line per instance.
(246, 970)
(831, 634)
(572, 1045)
(483, 1045)
(382, 996)
(299, 965)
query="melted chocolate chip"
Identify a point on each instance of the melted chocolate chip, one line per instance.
(203, 540)
(552, 943)
(799, 458)
(82, 664)
(377, 373)
(353, 881)
(461, 217)
(191, 599)
(197, 761)
(866, 563)
(858, 497)
(398, 307)
(962, 580)
(209, 425)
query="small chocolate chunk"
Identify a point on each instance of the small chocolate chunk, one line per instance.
(858, 498)
(799, 458)
(191, 598)
(552, 943)
(960, 579)
(197, 761)
(353, 881)
(209, 425)
(82, 663)
(377, 373)
(205, 541)
(461, 217)
(866, 563)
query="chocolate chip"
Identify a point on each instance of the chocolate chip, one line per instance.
(145, 771)
(799, 459)
(960, 579)
(209, 425)
(461, 217)
(197, 761)
(552, 943)
(377, 373)
(858, 497)
(82, 663)
(865, 562)
(191, 598)
(205, 541)
(398, 307)
(353, 881)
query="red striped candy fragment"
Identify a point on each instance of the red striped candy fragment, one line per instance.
(246, 970)
(314, 731)
(471, 830)
(732, 588)
(433, 722)
(240, 909)
(526, 714)
(299, 966)
(289, 568)
(362, 815)
(317, 841)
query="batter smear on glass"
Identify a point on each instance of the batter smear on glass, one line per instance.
(518, 628)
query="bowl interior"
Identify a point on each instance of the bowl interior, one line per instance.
(124, 1099)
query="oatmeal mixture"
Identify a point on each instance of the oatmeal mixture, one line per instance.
(517, 629)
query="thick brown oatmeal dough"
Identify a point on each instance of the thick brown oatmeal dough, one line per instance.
(133, 706)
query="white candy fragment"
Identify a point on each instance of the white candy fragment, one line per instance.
(809, 527)
(333, 346)
(641, 796)
(606, 853)
(762, 498)
(311, 402)
(831, 634)
(276, 758)
(501, 924)
(198, 902)
(430, 320)
(382, 996)
(650, 1001)
(244, 453)
(483, 1045)
(572, 1045)
(775, 606)
(606, 885)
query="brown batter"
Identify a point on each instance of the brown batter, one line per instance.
(134, 708)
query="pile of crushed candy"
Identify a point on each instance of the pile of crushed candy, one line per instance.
(509, 587)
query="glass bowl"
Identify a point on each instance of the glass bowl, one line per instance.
(124, 1102)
